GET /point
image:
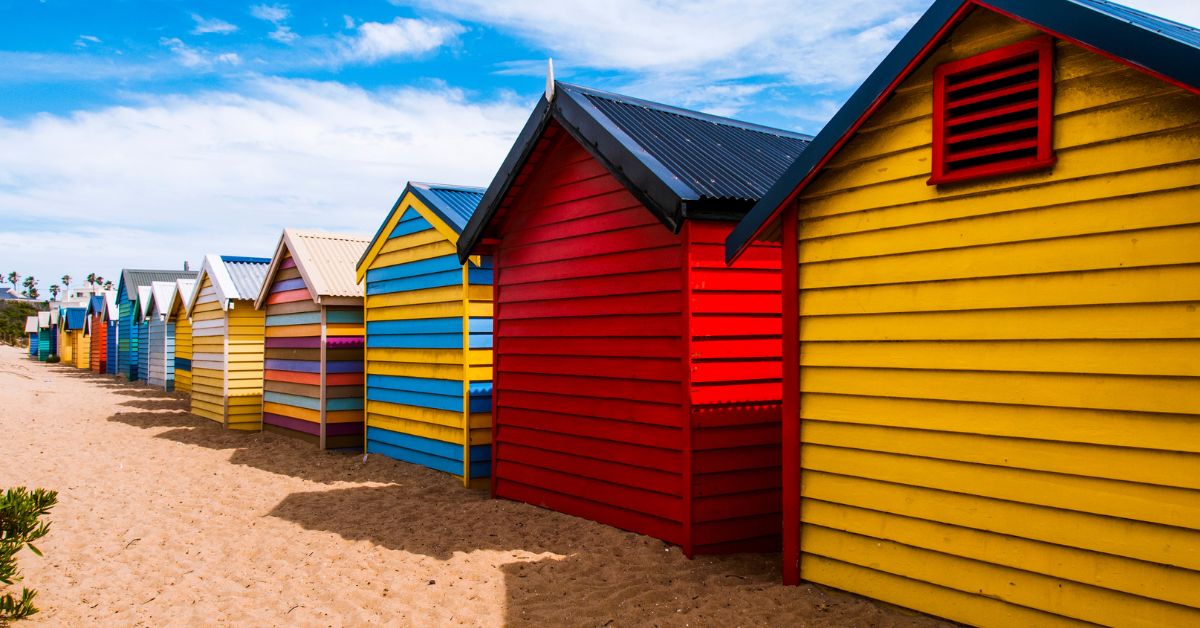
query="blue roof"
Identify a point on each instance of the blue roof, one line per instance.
(681, 164)
(95, 304)
(454, 204)
(1158, 45)
(74, 317)
(247, 273)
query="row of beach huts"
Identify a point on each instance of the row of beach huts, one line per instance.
(946, 353)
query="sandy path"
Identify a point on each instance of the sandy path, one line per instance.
(165, 519)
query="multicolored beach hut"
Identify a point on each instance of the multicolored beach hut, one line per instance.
(127, 333)
(96, 331)
(227, 341)
(992, 280)
(429, 336)
(636, 376)
(111, 317)
(160, 337)
(142, 329)
(31, 332)
(55, 332)
(45, 336)
(177, 315)
(313, 377)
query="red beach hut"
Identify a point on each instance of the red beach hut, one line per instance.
(636, 377)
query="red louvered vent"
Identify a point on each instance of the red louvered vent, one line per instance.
(992, 113)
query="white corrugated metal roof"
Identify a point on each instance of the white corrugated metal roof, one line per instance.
(31, 324)
(325, 260)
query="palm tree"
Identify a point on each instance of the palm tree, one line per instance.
(13, 278)
(92, 279)
(108, 285)
(54, 288)
(66, 282)
(30, 283)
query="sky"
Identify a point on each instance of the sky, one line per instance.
(143, 133)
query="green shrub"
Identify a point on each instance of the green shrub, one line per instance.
(54, 359)
(20, 510)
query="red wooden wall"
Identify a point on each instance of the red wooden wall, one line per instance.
(98, 359)
(629, 383)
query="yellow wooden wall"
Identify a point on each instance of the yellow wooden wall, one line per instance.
(65, 348)
(81, 349)
(463, 301)
(227, 360)
(183, 349)
(1000, 380)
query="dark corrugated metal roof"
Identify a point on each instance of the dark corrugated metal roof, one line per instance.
(247, 273)
(454, 203)
(1167, 48)
(717, 158)
(132, 278)
(1179, 32)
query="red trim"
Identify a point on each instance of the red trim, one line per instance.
(882, 98)
(943, 168)
(1107, 55)
(496, 340)
(791, 397)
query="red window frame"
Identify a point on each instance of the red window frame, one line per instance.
(1042, 47)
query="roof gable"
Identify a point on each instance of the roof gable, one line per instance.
(448, 208)
(133, 278)
(680, 164)
(161, 294)
(233, 277)
(31, 324)
(73, 317)
(1166, 49)
(324, 260)
(181, 296)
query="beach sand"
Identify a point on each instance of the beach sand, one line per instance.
(166, 519)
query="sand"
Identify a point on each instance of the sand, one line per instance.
(166, 519)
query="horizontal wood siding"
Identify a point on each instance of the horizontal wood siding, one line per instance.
(110, 341)
(183, 351)
(126, 338)
(244, 361)
(81, 349)
(143, 350)
(208, 354)
(999, 384)
(428, 355)
(735, 388)
(44, 344)
(99, 345)
(589, 340)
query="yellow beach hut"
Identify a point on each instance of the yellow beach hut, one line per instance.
(227, 341)
(177, 314)
(992, 322)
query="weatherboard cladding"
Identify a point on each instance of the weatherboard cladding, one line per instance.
(126, 358)
(428, 337)
(177, 312)
(636, 377)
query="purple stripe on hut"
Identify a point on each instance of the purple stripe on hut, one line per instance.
(343, 429)
(300, 366)
(288, 263)
(287, 284)
(344, 342)
(299, 425)
(310, 342)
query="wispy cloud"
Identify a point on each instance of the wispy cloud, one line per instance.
(83, 40)
(206, 25)
(375, 41)
(276, 14)
(224, 172)
(197, 58)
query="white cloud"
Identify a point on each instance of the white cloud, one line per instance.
(223, 172)
(84, 40)
(274, 13)
(212, 25)
(348, 21)
(231, 58)
(187, 55)
(283, 34)
(402, 36)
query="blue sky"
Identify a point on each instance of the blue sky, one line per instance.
(141, 133)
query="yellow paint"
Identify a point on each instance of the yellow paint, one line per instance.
(183, 347)
(232, 394)
(82, 349)
(463, 365)
(999, 388)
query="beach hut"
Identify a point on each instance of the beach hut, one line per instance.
(636, 377)
(96, 330)
(991, 281)
(73, 344)
(31, 331)
(160, 336)
(177, 314)
(110, 314)
(313, 376)
(142, 329)
(429, 336)
(127, 331)
(227, 341)
(45, 336)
